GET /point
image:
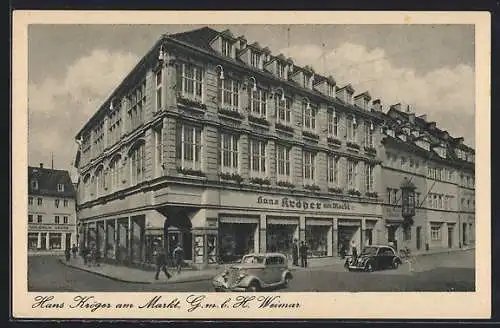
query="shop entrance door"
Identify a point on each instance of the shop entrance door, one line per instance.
(450, 237)
(391, 236)
(419, 237)
(43, 244)
(346, 234)
(68, 240)
(464, 234)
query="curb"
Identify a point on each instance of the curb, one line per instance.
(166, 282)
(446, 252)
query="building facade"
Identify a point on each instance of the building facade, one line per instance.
(442, 170)
(51, 209)
(216, 144)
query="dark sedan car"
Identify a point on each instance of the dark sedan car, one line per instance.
(374, 258)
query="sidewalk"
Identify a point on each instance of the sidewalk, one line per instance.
(133, 275)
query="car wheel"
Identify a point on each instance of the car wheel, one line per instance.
(369, 267)
(253, 287)
(287, 280)
(395, 264)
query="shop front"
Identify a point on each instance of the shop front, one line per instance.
(349, 234)
(237, 236)
(281, 232)
(319, 237)
(50, 237)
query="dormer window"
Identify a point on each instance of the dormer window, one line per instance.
(34, 184)
(281, 70)
(330, 90)
(227, 48)
(60, 187)
(255, 59)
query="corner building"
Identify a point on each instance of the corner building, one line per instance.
(215, 143)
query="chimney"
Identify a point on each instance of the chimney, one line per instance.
(41, 165)
(377, 105)
(411, 118)
(396, 106)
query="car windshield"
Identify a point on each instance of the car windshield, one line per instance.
(252, 259)
(369, 251)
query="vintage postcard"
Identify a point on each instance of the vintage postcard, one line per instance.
(238, 165)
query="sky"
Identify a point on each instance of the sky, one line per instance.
(73, 68)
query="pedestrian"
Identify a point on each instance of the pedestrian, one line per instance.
(85, 253)
(178, 255)
(303, 254)
(160, 261)
(354, 250)
(67, 253)
(74, 250)
(295, 253)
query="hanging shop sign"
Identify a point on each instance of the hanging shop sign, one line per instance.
(292, 203)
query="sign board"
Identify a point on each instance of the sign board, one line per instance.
(51, 227)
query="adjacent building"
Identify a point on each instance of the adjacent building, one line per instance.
(441, 168)
(215, 143)
(51, 209)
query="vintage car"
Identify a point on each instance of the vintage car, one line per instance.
(374, 258)
(253, 273)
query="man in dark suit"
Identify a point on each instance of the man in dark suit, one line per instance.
(303, 254)
(161, 261)
(295, 253)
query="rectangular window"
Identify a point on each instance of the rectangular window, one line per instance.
(351, 174)
(333, 171)
(445, 203)
(283, 163)
(351, 129)
(257, 158)
(389, 195)
(30, 218)
(255, 59)
(114, 129)
(395, 199)
(429, 200)
(258, 103)
(39, 219)
(229, 153)
(188, 144)
(34, 184)
(368, 134)
(369, 179)
(308, 117)
(56, 219)
(60, 187)
(227, 48)
(40, 201)
(159, 84)
(138, 164)
(136, 103)
(435, 233)
(191, 82)
(56, 202)
(417, 198)
(333, 124)
(284, 110)
(229, 94)
(440, 201)
(158, 135)
(65, 220)
(308, 165)
(30, 200)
